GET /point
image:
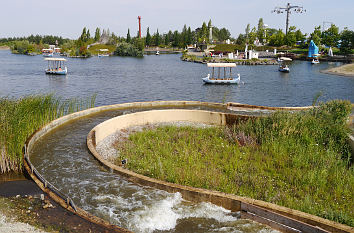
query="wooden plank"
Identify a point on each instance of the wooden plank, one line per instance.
(301, 226)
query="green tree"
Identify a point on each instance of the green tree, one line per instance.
(252, 36)
(277, 39)
(168, 37)
(299, 36)
(290, 38)
(128, 36)
(204, 32)
(184, 39)
(88, 35)
(189, 36)
(139, 43)
(97, 34)
(316, 36)
(241, 39)
(148, 37)
(247, 32)
(224, 34)
(209, 24)
(83, 36)
(260, 30)
(347, 41)
(331, 36)
(157, 38)
(176, 39)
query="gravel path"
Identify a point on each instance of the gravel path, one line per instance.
(8, 225)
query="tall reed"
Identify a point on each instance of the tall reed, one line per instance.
(19, 118)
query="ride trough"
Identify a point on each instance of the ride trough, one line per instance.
(56, 66)
(226, 78)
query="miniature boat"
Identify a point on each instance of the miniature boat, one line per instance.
(157, 52)
(226, 79)
(47, 52)
(56, 66)
(315, 59)
(283, 66)
(104, 53)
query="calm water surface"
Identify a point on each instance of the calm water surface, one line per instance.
(166, 77)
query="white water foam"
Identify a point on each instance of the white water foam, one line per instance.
(164, 214)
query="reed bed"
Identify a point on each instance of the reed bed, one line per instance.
(19, 118)
(298, 160)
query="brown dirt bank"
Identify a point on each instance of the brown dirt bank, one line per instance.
(344, 70)
(20, 200)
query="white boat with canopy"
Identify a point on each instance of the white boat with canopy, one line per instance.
(226, 78)
(56, 66)
(315, 59)
(283, 64)
(103, 53)
(47, 52)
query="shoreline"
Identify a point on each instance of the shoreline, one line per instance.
(4, 47)
(346, 70)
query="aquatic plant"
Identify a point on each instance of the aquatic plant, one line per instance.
(300, 160)
(19, 118)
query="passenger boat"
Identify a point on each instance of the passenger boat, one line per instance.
(315, 59)
(283, 66)
(47, 52)
(226, 78)
(104, 53)
(56, 66)
(157, 52)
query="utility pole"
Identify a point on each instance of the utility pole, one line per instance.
(288, 8)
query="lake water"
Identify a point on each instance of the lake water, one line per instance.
(166, 77)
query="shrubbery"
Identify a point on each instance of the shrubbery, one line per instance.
(127, 49)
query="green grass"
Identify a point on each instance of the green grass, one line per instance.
(299, 160)
(94, 50)
(19, 118)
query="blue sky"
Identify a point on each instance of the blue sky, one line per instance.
(67, 17)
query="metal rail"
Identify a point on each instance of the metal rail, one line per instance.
(46, 183)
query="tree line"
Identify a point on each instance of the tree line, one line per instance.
(253, 37)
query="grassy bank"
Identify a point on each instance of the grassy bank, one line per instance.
(299, 160)
(95, 49)
(19, 118)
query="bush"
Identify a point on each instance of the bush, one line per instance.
(127, 49)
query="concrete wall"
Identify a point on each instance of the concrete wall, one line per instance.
(150, 117)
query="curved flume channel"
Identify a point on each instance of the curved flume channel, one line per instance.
(63, 159)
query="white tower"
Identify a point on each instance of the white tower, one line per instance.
(211, 34)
